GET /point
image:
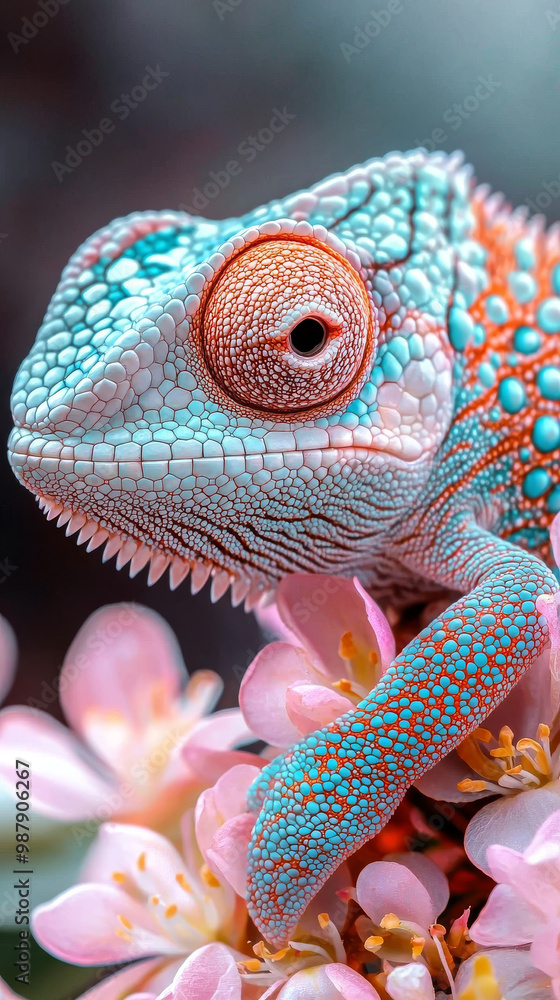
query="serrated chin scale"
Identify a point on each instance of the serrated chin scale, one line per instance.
(137, 555)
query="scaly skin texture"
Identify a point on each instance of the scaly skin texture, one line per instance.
(166, 411)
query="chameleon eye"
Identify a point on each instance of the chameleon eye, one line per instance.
(286, 326)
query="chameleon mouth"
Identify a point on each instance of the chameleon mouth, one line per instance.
(253, 590)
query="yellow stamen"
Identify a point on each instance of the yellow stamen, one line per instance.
(142, 861)
(324, 920)
(540, 760)
(373, 658)
(171, 910)
(118, 877)
(468, 785)
(125, 921)
(483, 984)
(389, 922)
(514, 770)
(471, 752)
(417, 946)
(345, 688)
(262, 951)
(347, 650)
(155, 900)
(250, 965)
(180, 878)
(122, 934)
(343, 685)
(506, 739)
(209, 877)
(373, 943)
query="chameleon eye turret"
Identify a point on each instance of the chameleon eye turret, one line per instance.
(268, 300)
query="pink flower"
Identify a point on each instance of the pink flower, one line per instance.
(344, 645)
(524, 908)
(140, 899)
(401, 896)
(141, 747)
(141, 902)
(213, 974)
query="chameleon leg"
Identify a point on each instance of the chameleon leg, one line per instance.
(337, 788)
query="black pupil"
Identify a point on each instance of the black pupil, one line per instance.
(308, 337)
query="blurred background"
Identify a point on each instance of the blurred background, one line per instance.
(445, 73)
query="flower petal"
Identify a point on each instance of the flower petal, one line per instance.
(410, 982)
(8, 657)
(386, 887)
(329, 982)
(209, 974)
(226, 799)
(87, 925)
(67, 783)
(7, 994)
(118, 848)
(321, 609)
(262, 695)
(545, 954)
(312, 706)
(549, 606)
(227, 855)
(123, 668)
(150, 974)
(515, 972)
(428, 873)
(205, 766)
(380, 626)
(505, 920)
(222, 731)
(535, 874)
(511, 821)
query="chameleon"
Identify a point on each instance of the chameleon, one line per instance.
(360, 378)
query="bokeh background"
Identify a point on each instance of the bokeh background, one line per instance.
(228, 65)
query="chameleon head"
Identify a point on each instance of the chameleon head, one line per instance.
(251, 397)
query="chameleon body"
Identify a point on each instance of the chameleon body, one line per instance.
(360, 378)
